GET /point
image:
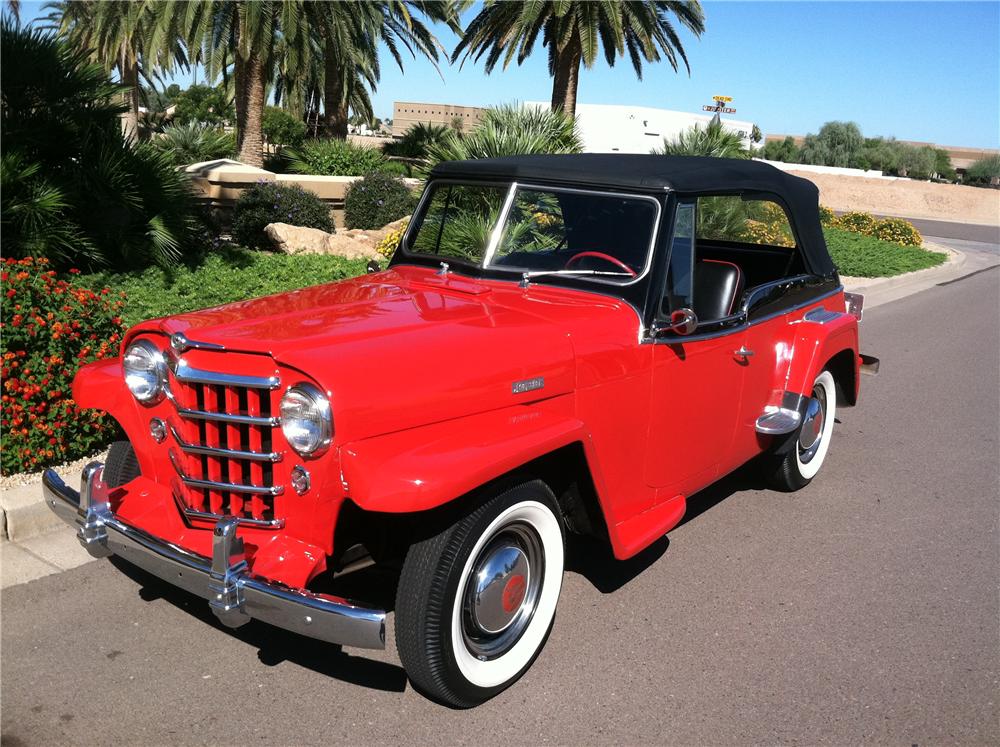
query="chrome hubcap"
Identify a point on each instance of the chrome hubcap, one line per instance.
(811, 434)
(502, 591)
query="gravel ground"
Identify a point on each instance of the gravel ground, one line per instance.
(69, 468)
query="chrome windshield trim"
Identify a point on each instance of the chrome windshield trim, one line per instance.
(231, 487)
(188, 374)
(497, 233)
(256, 456)
(223, 417)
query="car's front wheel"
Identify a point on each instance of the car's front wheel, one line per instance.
(476, 601)
(799, 462)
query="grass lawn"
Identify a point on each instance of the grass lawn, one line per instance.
(222, 276)
(868, 257)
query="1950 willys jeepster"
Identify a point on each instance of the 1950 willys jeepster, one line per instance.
(561, 345)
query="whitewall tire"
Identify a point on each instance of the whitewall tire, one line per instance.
(476, 601)
(798, 462)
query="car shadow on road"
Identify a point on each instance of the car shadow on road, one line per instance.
(274, 645)
(594, 560)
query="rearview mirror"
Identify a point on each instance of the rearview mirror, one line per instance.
(682, 322)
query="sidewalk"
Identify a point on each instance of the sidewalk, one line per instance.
(35, 543)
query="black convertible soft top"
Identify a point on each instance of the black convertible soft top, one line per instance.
(685, 175)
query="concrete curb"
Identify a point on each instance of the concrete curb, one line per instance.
(25, 513)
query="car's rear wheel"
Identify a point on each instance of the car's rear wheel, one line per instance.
(476, 601)
(121, 466)
(799, 462)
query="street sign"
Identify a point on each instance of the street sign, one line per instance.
(719, 108)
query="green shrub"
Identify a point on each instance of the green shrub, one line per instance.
(195, 142)
(712, 140)
(50, 328)
(868, 257)
(826, 215)
(282, 129)
(223, 275)
(398, 168)
(376, 200)
(268, 202)
(417, 140)
(334, 158)
(897, 231)
(103, 201)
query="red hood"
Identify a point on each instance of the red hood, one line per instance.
(406, 347)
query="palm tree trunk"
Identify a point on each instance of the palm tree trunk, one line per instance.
(334, 100)
(130, 79)
(251, 135)
(239, 87)
(567, 76)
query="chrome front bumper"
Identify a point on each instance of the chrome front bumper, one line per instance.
(233, 593)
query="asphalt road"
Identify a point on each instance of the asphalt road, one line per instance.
(862, 609)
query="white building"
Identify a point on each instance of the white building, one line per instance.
(607, 128)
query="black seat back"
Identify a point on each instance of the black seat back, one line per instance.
(717, 287)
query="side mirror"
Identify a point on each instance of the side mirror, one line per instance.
(682, 322)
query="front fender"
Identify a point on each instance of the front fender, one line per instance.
(422, 468)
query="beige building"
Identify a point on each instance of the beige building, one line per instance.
(405, 114)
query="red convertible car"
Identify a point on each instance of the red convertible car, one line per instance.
(561, 345)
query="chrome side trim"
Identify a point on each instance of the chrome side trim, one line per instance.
(186, 373)
(231, 487)
(223, 417)
(244, 596)
(255, 456)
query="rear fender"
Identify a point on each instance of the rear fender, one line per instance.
(423, 468)
(817, 343)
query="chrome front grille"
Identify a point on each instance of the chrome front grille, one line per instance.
(222, 438)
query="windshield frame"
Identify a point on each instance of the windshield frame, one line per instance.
(484, 265)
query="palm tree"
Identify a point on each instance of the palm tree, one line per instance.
(711, 140)
(136, 39)
(574, 31)
(350, 47)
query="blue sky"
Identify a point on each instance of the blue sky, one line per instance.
(914, 70)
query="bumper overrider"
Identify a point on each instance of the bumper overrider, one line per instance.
(235, 595)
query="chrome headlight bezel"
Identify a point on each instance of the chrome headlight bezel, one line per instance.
(152, 375)
(317, 405)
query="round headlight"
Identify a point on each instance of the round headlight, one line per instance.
(145, 371)
(306, 420)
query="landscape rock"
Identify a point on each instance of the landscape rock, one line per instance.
(300, 240)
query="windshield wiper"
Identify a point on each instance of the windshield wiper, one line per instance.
(527, 276)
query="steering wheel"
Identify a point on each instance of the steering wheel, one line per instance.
(600, 255)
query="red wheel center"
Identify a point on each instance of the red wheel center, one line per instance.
(513, 593)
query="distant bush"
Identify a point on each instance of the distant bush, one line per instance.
(984, 171)
(376, 200)
(209, 105)
(195, 142)
(826, 215)
(334, 158)
(273, 203)
(282, 129)
(50, 327)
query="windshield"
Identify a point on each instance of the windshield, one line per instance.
(547, 231)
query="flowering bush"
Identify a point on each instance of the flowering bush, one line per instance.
(898, 231)
(826, 215)
(863, 223)
(375, 201)
(388, 245)
(268, 202)
(50, 327)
